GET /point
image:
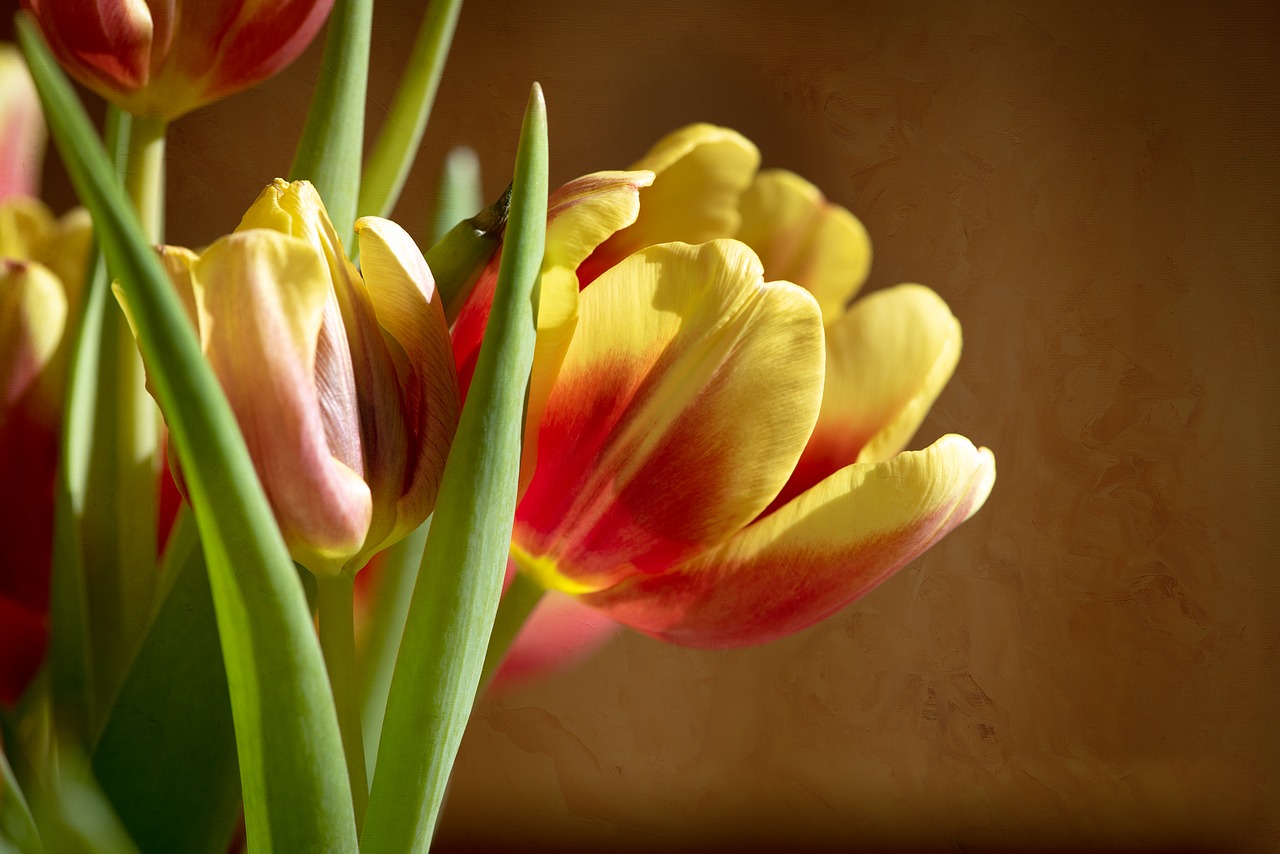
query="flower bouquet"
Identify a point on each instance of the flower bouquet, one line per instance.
(645, 398)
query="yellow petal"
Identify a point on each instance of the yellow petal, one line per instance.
(261, 298)
(26, 224)
(813, 556)
(887, 362)
(580, 216)
(700, 172)
(803, 238)
(685, 398)
(408, 308)
(33, 315)
(65, 251)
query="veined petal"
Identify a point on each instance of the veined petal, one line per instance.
(261, 298)
(700, 172)
(408, 309)
(685, 398)
(355, 371)
(33, 314)
(803, 238)
(888, 359)
(812, 557)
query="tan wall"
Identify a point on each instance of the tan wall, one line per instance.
(1090, 660)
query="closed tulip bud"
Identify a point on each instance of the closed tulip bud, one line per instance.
(342, 381)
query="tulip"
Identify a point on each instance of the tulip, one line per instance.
(718, 454)
(164, 58)
(342, 384)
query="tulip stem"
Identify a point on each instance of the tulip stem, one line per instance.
(121, 567)
(337, 641)
(517, 604)
(144, 174)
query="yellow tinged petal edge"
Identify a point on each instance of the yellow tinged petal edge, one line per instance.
(813, 556)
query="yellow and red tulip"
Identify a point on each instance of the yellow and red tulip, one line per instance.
(342, 382)
(717, 451)
(164, 58)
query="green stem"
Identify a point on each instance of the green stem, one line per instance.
(517, 604)
(144, 174)
(402, 131)
(338, 642)
(451, 613)
(124, 593)
(386, 626)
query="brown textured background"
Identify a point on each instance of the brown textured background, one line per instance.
(1091, 661)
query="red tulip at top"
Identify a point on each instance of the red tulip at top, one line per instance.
(714, 444)
(164, 58)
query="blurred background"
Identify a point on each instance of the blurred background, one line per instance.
(1091, 661)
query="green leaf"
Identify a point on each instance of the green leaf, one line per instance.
(167, 755)
(394, 588)
(332, 140)
(406, 121)
(16, 824)
(453, 606)
(83, 455)
(290, 753)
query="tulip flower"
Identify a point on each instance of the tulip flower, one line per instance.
(164, 58)
(343, 384)
(718, 456)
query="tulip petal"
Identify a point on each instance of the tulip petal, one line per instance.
(33, 313)
(26, 224)
(261, 297)
(580, 216)
(888, 359)
(105, 44)
(408, 308)
(814, 556)
(685, 398)
(803, 238)
(560, 631)
(65, 251)
(700, 173)
(356, 372)
(22, 130)
(232, 53)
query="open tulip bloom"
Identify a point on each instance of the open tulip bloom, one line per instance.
(648, 398)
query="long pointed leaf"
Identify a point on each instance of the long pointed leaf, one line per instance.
(454, 602)
(167, 755)
(332, 140)
(290, 753)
